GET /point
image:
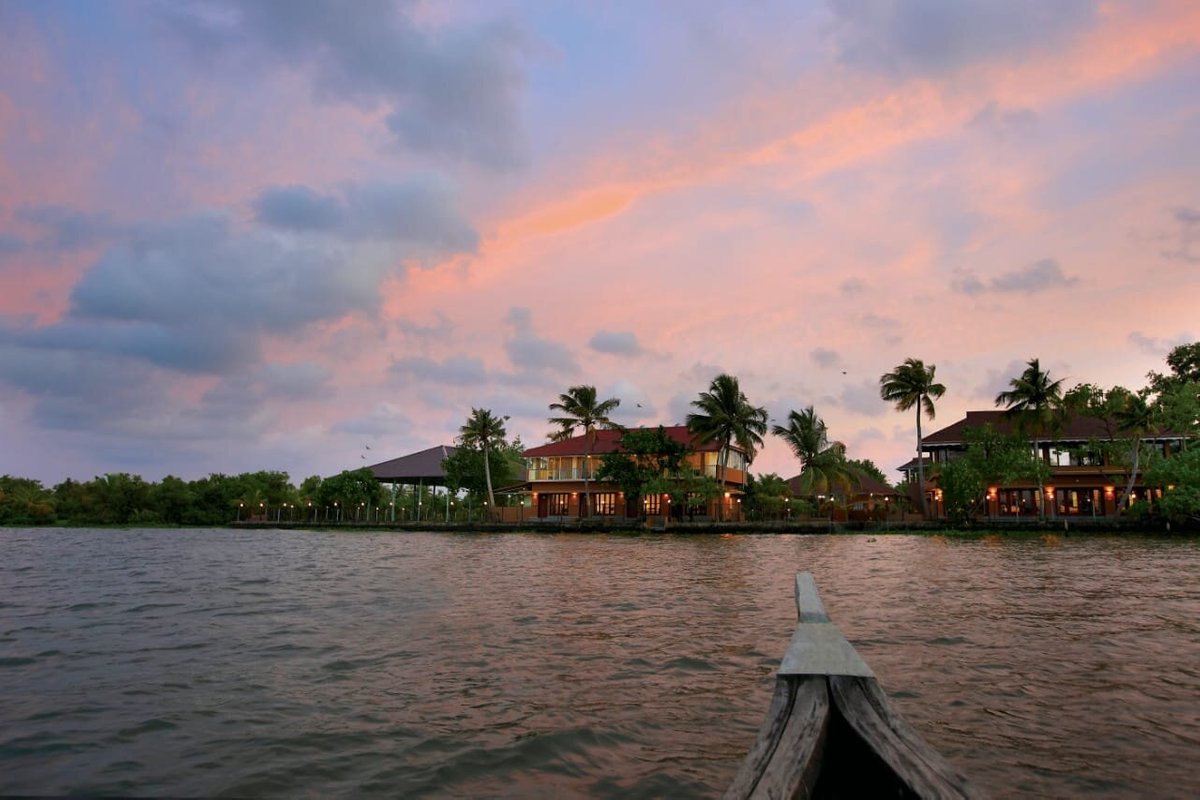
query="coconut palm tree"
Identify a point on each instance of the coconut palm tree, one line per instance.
(912, 384)
(724, 415)
(481, 430)
(1136, 418)
(1036, 402)
(580, 410)
(823, 464)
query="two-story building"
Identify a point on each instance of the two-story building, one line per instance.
(1083, 481)
(555, 472)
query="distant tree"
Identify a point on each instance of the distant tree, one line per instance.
(480, 431)
(1184, 363)
(1036, 403)
(1179, 478)
(724, 415)
(580, 410)
(646, 464)
(866, 466)
(171, 498)
(990, 459)
(823, 464)
(351, 489)
(23, 501)
(910, 385)
(465, 469)
(1177, 409)
(1135, 418)
(767, 496)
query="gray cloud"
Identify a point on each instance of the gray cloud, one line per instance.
(863, 398)
(450, 91)
(1003, 123)
(197, 296)
(440, 329)
(417, 211)
(1154, 346)
(618, 343)
(68, 228)
(454, 371)
(1040, 276)
(1188, 222)
(852, 287)
(530, 353)
(937, 36)
(384, 419)
(824, 357)
(10, 245)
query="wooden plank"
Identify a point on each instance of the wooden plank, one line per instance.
(764, 745)
(808, 600)
(865, 708)
(795, 765)
(819, 648)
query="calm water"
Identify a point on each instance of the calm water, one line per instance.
(209, 662)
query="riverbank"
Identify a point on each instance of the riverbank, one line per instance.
(814, 527)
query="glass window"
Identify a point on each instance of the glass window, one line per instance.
(604, 504)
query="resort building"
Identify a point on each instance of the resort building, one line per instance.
(555, 472)
(1083, 482)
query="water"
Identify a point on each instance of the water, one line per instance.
(264, 663)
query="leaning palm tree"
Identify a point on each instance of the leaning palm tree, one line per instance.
(1036, 402)
(1136, 418)
(481, 430)
(823, 464)
(724, 415)
(580, 410)
(908, 385)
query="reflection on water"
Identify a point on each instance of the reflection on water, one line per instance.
(276, 663)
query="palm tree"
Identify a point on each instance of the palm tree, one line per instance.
(908, 385)
(481, 429)
(823, 464)
(724, 415)
(1135, 417)
(1037, 404)
(581, 410)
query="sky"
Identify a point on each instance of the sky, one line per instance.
(312, 236)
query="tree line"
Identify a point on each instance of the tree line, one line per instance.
(722, 414)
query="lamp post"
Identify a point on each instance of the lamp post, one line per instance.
(240, 506)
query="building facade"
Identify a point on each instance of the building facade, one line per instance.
(1083, 481)
(555, 478)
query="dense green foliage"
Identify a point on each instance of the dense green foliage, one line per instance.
(990, 459)
(1179, 477)
(767, 497)
(465, 472)
(649, 463)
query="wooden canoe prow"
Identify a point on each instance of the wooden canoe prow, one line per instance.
(830, 731)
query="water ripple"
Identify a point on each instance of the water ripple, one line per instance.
(275, 663)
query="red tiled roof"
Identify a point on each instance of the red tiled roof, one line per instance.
(1075, 428)
(609, 441)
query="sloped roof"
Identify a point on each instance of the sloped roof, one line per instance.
(1074, 428)
(609, 441)
(424, 467)
(865, 485)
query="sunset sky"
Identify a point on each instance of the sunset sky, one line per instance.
(269, 235)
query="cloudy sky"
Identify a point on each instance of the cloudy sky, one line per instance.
(267, 235)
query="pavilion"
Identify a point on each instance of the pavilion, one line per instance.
(419, 469)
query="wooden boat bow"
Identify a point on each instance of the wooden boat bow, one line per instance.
(830, 731)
